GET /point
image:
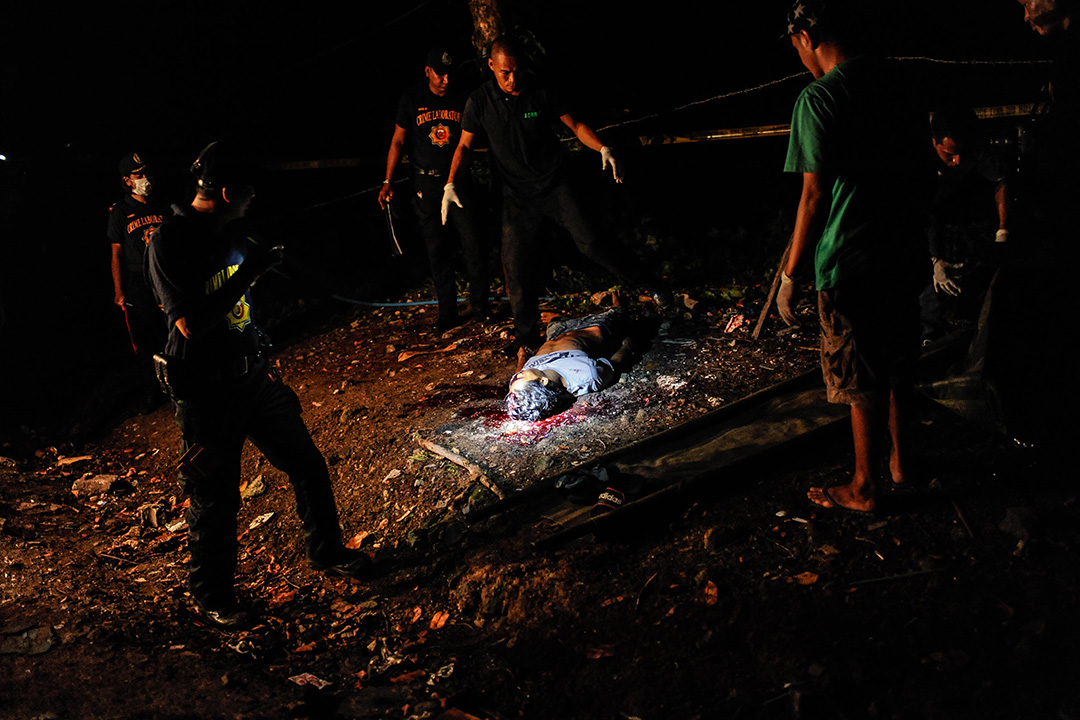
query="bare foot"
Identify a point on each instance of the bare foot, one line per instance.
(896, 470)
(843, 497)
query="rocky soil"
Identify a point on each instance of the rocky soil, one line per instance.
(738, 601)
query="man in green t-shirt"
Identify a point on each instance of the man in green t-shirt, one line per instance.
(853, 143)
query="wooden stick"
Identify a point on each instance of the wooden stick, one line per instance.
(475, 473)
(772, 290)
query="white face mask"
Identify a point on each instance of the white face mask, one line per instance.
(141, 186)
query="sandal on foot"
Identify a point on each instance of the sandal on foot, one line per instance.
(837, 506)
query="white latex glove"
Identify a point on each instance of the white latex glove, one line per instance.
(942, 281)
(785, 300)
(608, 158)
(448, 196)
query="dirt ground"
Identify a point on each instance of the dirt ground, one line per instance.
(738, 601)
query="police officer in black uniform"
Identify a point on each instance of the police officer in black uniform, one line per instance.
(224, 390)
(428, 127)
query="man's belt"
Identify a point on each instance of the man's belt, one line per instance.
(242, 366)
(429, 173)
(179, 380)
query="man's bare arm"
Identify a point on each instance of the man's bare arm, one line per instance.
(806, 221)
(1004, 205)
(393, 159)
(583, 132)
(802, 239)
(589, 139)
(118, 286)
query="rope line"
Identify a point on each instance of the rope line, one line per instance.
(771, 83)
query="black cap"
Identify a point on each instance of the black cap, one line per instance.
(440, 60)
(222, 164)
(130, 164)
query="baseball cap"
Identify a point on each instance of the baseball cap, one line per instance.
(440, 60)
(132, 163)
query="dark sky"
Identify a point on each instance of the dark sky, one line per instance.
(319, 79)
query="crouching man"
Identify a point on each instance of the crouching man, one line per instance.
(581, 356)
(225, 391)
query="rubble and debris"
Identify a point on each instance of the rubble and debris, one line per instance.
(309, 679)
(25, 639)
(100, 484)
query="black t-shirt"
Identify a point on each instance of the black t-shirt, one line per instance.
(190, 259)
(130, 225)
(521, 133)
(433, 125)
(964, 211)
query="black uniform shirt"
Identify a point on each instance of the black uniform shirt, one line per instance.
(433, 125)
(964, 211)
(130, 225)
(189, 260)
(520, 130)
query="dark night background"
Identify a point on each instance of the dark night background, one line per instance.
(319, 81)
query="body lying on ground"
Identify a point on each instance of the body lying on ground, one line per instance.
(580, 356)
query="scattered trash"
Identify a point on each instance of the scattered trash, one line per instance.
(150, 515)
(441, 674)
(670, 383)
(408, 677)
(413, 353)
(62, 461)
(260, 521)
(357, 540)
(309, 679)
(253, 488)
(99, 484)
(177, 526)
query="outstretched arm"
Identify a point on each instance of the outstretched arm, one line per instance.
(589, 139)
